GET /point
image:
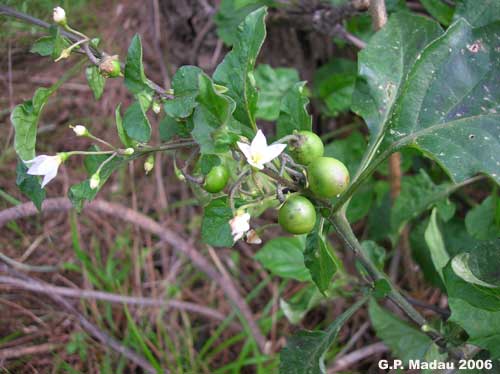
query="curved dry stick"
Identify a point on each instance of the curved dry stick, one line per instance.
(42, 287)
(91, 329)
(165, 234)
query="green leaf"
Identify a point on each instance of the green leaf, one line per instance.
(169, 127)
(418, 193)
(25, 119)
(334, 84)
(207, 162)
(349, 150)
(185, 86)
(231, 14)
(482, 326)
(305, 351)
(80, 192)
(448, 105)
(319, 260)
(480, 221)
(401, 41)
(446, 209)
(293, 112)
(95, 80)
(297, 307)
(462, 284)
(51, 45)
(124, 138)
(236, 70)
(284, 257)
(483, 262)
(439, 10)
(135, 78)
(215, 229)
(136, 123)
(478, 13)
(435, 242)
(381, 288)
(213, 113)
(273, 84)
(29, 185)
(405, 342)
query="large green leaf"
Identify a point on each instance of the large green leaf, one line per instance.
(212, 117)
(135, 78)
(439, 10)
(305, 351)
(284, 257)
(215, 229)
(319, 260)
(334, 83)
(273, 84)
(236, 70)
(293, 112)
(482, 222)
(185, 86)
(405, 342)
(29, 185)
(435, 242)
(400, 42)
(448, 108)
(478, 13)
(95, 81)
(136, 123)
(482, 326)
(25, 118)
(442, 101)
(231, 13)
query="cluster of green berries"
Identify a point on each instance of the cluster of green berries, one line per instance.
(327, 177)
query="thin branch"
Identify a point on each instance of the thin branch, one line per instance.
(352, 358)
(167, 235)
(93, 54)
(45, 288)
(91, 328)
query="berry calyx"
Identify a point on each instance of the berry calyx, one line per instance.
(307, 147)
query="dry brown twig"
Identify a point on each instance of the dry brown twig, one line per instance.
(165, 234)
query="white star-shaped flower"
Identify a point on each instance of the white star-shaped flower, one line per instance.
(240, 224)
(44, 165)
(258, 152)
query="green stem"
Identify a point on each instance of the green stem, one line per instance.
(343, 228)
(72, 153)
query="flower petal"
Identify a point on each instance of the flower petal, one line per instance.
(272, 152)
(246, 149)
(259, 143)
(49, 176)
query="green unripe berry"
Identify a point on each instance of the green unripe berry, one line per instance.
(297, 215)
(327, 176)
(307, 148)
(216, 179)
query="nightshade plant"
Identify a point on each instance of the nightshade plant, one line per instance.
(417, 86)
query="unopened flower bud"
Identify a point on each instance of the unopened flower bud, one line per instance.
(95, 179)
(128, 151)
(80, 130)
(110, 66)
(59, 16)
(149, 164)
